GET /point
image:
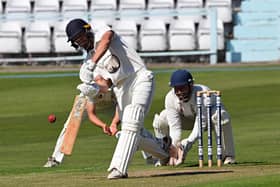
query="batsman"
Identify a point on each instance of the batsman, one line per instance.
(180, 114)
(110, 58)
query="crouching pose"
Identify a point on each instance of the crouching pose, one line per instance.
(180, 114)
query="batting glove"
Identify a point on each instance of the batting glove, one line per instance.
(89, 90)
(86, 71)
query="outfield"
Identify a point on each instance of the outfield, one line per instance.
(251, 95)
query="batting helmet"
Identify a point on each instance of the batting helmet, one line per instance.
(181, 77)
(75, 27)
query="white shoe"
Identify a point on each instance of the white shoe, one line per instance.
(51, 163)
(161, 162)
(158, 164)
(116, 174)
(229, 160)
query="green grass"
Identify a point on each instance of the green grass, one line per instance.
(27, 139)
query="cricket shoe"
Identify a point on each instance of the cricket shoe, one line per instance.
(116, 174)
(182, 153)
(161, 162)
(51, 163)
(229, 160)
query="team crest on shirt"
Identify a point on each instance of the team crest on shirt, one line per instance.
(113, 65)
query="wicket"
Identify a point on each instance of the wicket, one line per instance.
(209, 127)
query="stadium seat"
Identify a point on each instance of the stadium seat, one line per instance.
(38, 37)
(130, 8)
(153, 35)
(127, 30)
(182, 35)
(103, 10)
(184, 6)
(60, 39)
(224, 10)
(46, 9)
(161, 7)
(103, 5)
(155, 4)
(18, 9)
(75, 9)
(1, 8)
(132, 5)
(10, 37)
(203, 34)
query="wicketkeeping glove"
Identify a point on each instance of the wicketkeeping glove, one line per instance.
(86, 71)
(225, 118)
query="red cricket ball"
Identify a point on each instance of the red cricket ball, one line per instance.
(52, 118)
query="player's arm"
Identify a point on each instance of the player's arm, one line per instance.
(91, 110)
(86, 70)
(173, 119)
(175, 131)
(115, 122)
(103, 45)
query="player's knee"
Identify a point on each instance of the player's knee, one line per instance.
(159, 121)
(133, 117)
(156, 122)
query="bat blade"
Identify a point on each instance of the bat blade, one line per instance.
(74, 125)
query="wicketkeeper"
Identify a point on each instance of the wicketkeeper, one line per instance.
(180, 114)
(111, 58)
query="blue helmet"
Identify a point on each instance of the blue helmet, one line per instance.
(74, 28)
(181, 77)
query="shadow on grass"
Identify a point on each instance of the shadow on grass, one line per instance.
(179, 173)
(243, 163)
(191, 173)
(254, 163)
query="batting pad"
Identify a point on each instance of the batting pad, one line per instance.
(132, 123)
(56, 153)
(125, 149)
(227, 140)
(133, 117)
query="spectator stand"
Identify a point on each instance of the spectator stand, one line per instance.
(210, 13)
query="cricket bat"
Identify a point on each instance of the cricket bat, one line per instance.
(73, 127)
